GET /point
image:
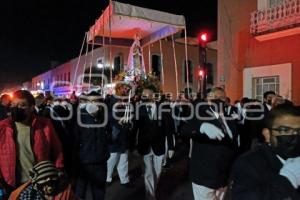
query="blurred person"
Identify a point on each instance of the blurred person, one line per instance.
(152, 132)
(5, 101)
(268, 97)
(25, 139)
(278, 100)
(253, 125)
(40, 102)
(231, 110)
(91, 149)
(215, 147)
(46, 183)
(119, 142)
(166, 105)
(59, 114)
(271, 170)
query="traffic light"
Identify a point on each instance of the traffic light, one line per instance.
(203, 38)
(201, 73)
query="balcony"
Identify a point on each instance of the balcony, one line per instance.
(275, 22)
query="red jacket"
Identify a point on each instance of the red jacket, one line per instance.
(45, 146)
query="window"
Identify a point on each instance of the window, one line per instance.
(118, 64)
(100, 63)
(275, 2)
(156, 65)
(210, 74)
(190, 71)
(61, 79)
(264, 84)
(69, 76)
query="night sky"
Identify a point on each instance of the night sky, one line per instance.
(36, 32)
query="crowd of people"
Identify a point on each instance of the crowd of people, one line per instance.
(57, 148)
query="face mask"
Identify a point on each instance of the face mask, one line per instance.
(218, 104)
(288, 146)
(18, 114)
(92, 108)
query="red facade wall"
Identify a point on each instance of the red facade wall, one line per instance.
(246, 51)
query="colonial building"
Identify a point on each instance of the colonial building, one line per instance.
(64, 78)
(258, 48)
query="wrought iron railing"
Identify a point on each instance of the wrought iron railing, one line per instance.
(280, 17)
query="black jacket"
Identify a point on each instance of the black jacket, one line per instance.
(118, 137)
(91, 142)
(211, 160)
(255, 176)
(152, 134)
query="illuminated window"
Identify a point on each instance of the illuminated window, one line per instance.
(156, 65)
(210, 74)
(275, 2)
(118, 64)
(264, 84)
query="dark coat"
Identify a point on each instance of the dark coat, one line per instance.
(152, 134)
(255, 176)
(91, 146)
(211, 159)
(118, 137)
(119, 134)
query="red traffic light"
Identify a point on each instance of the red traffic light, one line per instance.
(203, 37)
(201, 73)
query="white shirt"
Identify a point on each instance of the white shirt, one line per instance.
(269, 107)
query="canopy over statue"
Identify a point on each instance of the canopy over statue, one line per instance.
(135, 27)
(121, 22)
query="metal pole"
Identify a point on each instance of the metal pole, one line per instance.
(187, 63)
(203, 66)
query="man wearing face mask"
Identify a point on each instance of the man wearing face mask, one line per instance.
(91, 148)
(59, 116)
(272, 171)
(215, 146)
(153, 128)
(25, 139)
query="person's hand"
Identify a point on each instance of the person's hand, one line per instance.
(122, 121)
(291, 170)
(211, 131)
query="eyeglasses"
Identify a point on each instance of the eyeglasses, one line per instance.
(285, 130)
